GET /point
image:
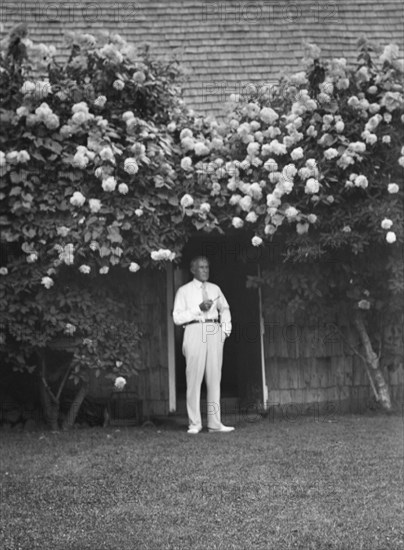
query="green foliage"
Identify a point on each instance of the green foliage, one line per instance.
(316, 162)
(87, 194)
(105, 171)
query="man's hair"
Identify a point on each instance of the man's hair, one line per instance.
(196, 259)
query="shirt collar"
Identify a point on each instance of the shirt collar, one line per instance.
(198, 283)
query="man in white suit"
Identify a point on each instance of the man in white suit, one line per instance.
(197, 307)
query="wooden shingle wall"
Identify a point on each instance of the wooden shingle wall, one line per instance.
(314, 363)
(151, 384)
(225, 45)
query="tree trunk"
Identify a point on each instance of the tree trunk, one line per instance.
(50, 403)
(75, 407)
(372, 361)
(50, 408)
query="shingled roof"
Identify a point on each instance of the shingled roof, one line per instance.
(226, 45)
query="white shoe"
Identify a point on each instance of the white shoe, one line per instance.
(194, 431)
(222, 429)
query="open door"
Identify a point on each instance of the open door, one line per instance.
(242, 372)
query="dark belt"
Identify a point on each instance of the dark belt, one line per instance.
(200, 322)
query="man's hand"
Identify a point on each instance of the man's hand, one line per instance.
(205, 305)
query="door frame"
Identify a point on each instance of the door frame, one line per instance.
(172, 389)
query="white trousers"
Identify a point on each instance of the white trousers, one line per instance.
(203, 350)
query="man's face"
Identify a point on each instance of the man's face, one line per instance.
(201, 270)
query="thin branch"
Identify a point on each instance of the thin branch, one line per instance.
(63, 382)
(51, 394)
(43, 374)
(364, 361)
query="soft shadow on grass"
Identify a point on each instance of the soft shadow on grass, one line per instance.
(268, 485)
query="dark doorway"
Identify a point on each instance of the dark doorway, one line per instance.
(231, 261)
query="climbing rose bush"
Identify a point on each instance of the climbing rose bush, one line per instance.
(316, 165)
(88, 197)
(319, 151)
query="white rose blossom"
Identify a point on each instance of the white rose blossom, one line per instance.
(77, 199)
(268, 115)
(47, 282)
(291, 212)
(31, 258)
(85, 269)
(100, 101)
(123, 188)
(134, 267)
(95, 205)
(297, 153)
(201, 149)
(246, 203)
(251, 217)
(118, 84)
(186, 201)
(23, 157)
(256, 241)
(186, 163)
(330, 153)
(269, 229)
(361, 181)
(120, 383)
(162, 254)
(69, 329)
(391, 237)
(109, 184)
(312, 186)
(393, 188)
(131, 166)
(302, 227)
(237, 222)
(3, 271)
(386, 223)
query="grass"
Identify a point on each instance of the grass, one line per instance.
(269, 485)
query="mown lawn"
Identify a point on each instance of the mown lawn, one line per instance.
(269, 485)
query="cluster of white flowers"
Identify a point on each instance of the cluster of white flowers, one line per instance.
(66, 253)
(43, 114)
(111, 53)
(82, 157)
(131, 166)
(118, 85)
(85, 269)
(134, 267)
(14, 157)
(38, 90)
(77, 199)
(120, 383)
(162, 254)
(401, 159)
(95, 205)
(47, 282)
(186, 201)
(32, 257)
(109, 184)
(256, 241)
(62, 231)
(356, 180)
(69, 329)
